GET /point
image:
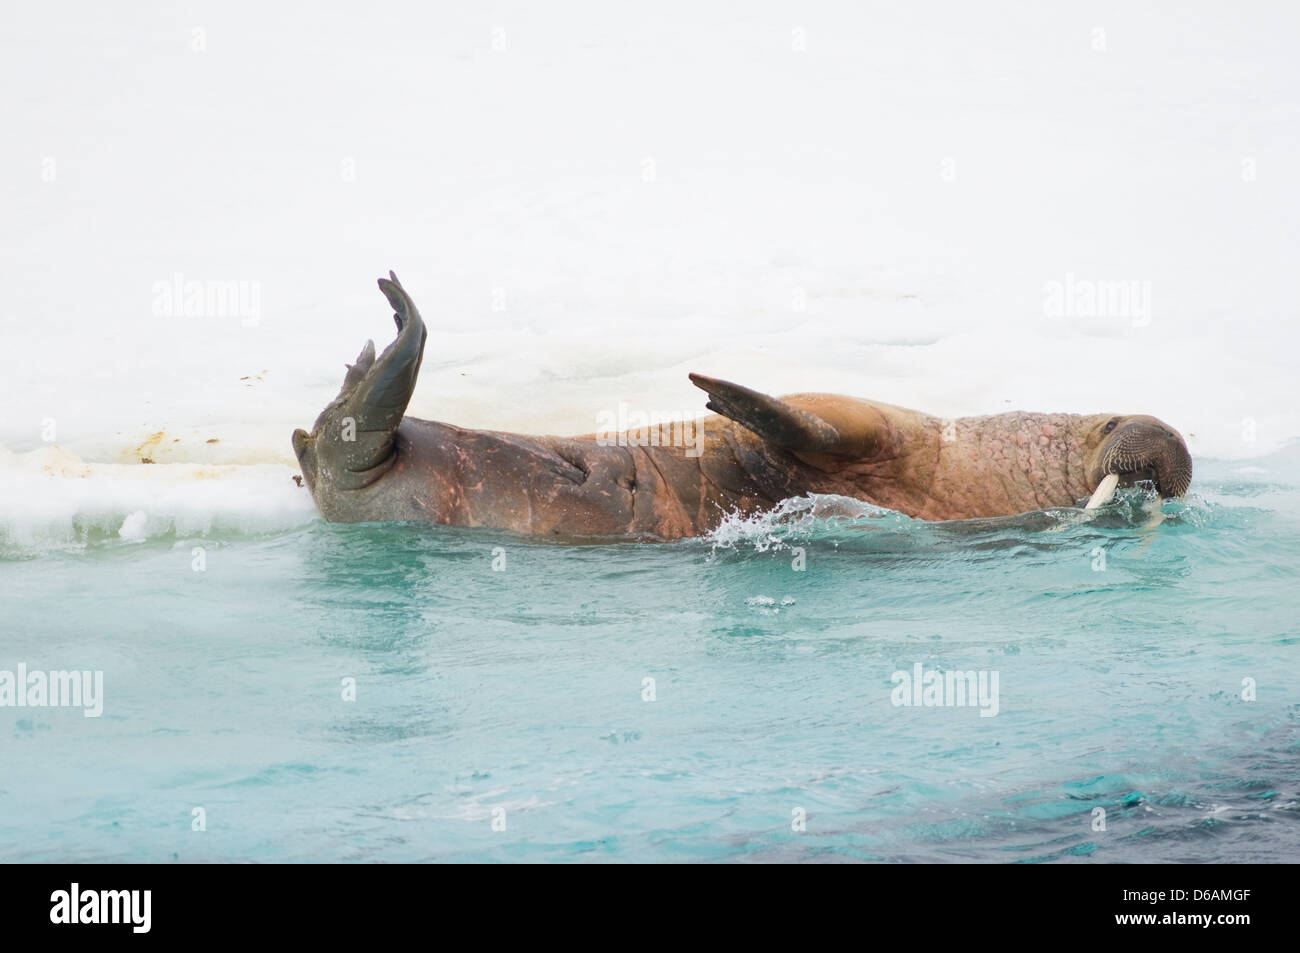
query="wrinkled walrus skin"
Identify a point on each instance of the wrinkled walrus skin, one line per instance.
(364, 461)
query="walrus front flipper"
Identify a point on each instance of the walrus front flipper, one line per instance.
(351, 443)
(777, 422)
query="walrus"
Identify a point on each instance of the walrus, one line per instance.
(364, 460)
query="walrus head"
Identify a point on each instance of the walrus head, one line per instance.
(1126, 450)
(351, 445)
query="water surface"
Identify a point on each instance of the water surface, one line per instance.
(518, 697)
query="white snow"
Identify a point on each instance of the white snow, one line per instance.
(589, 200)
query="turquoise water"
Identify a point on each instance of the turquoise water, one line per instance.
(518, 698)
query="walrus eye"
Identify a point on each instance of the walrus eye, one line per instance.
(1110, 425)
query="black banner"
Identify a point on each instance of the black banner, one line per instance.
(332, 902)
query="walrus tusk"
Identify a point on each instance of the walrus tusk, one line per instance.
(1105, 490)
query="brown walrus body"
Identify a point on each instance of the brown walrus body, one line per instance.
(365, 461)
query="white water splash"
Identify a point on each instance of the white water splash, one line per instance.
(798, 518)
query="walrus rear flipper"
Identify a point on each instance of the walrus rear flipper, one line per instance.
(774, 420)
(351, 444)
(386, 386)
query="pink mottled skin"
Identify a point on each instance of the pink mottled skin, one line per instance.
(973, 466)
